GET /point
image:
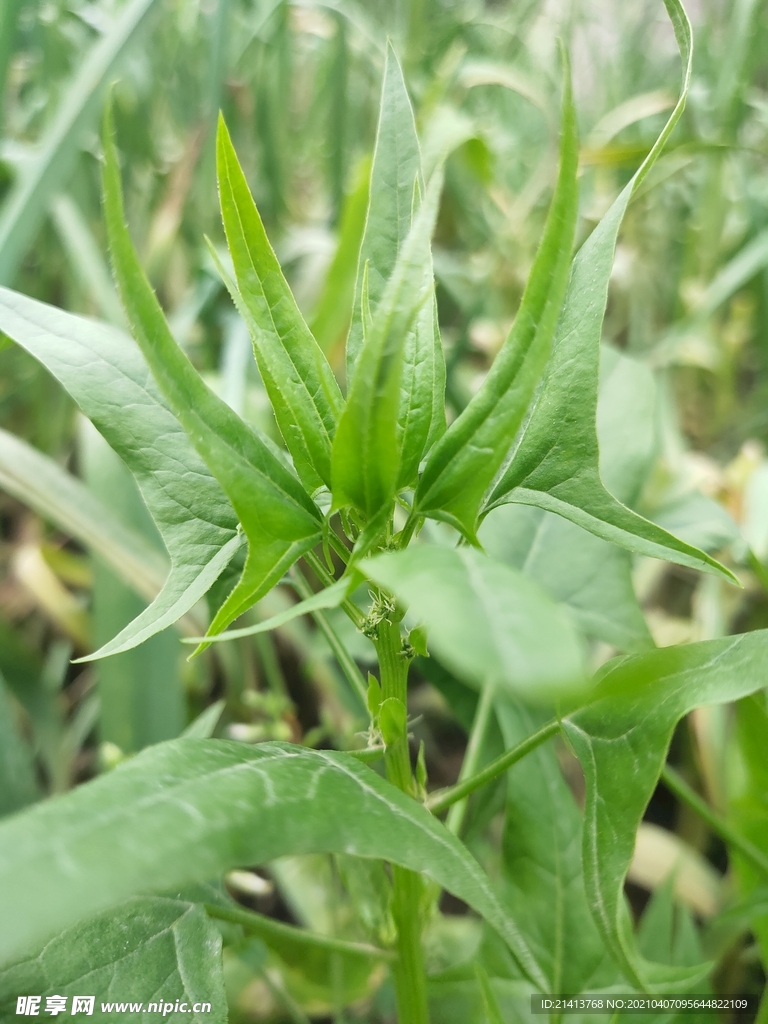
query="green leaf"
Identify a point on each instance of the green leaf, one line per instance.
(105, 373)
(367, 449)
(331, 317)
(25, 206)
(749, 809)
(417, 638)
(654, 933)
(373, 695)
(18, 785)
(396, 166)
(486, 622)
(395, 192)
(556, 460)
(463, 463)
(205, 723)
(621, 738)
(627, 423)
(543, 876)
(278, 517)
(302, 389)
(331, 597)
(588, 575)
(393, 719)
(156, 949)
(141, 692)
(668, 934)
(187, 810)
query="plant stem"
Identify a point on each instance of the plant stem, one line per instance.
(344, 658)
(327, 580)
(259, 924)
(409, 974)
(443, 799)
(456, 815)
(672, 780)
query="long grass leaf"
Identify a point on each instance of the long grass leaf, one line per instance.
(25, 207)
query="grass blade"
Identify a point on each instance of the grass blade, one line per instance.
(26, 205)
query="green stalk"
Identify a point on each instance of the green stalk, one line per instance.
(688, 795)
(268, 927)
(409, 974)
(327, 580)
(445, 798)
(455, 818)
(344, 658)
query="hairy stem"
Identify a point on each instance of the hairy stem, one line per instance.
(409, 975)
(445, 798)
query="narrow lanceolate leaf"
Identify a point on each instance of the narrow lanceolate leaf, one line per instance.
(396, 166)
(366, 457)
(189, 810)
(391, 207)
(556, 460)
(302, 389)
(621, 738)
(279, 519)
(106, 374)
(486, 622)
(543, 878)
(464, 462)
(154, 949)
(330, 597)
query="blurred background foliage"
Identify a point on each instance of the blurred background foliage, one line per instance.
(298, 85)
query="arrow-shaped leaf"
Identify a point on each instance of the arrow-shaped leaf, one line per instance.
(556, 460)
(279, 518)
(621, 738)
(106, 374)
(188, 810)
(464, 462)
(152, 949)
(542, 863)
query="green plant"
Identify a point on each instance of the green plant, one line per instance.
(373, 494)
